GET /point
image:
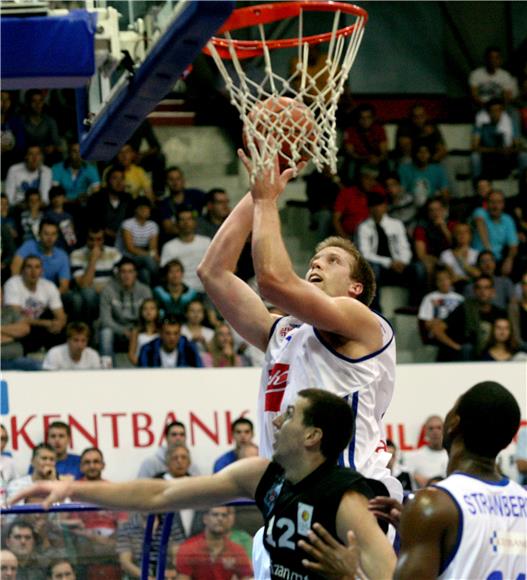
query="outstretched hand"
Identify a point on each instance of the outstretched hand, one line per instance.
(51, 492)
(268, 182)
(387, 509)
(329, 557)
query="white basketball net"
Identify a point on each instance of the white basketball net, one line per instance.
(318, 136)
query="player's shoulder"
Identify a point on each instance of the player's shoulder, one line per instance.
(431, 506)
(281, 326)
(336, 481)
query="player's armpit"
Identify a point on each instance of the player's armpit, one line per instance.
(428, 529)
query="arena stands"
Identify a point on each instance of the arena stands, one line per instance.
(99, 260)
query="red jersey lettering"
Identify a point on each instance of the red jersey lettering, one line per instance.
(276, 384)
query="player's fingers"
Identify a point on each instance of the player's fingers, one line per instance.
(244, 159)
(312, 565)
(383, 516)
(325, 535)
(310, 549)
(380, 501)
(300, 165)
(49, 501)
(288, 174)
(395, 516)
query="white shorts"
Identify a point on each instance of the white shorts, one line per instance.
(261, 560)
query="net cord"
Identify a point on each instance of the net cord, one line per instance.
(321, 102)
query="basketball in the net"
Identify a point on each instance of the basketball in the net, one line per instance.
(288, 121)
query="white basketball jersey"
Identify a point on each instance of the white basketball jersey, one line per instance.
(298, 358)
(492, 539)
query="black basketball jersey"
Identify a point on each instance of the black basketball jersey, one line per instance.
(291, 510)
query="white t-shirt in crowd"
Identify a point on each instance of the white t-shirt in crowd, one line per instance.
(206, 332)
(190, 255)
(427, 462)
(142, 339)
(438, 305)
(491, 86)
(448, 258)
(168, 359)
(59, 359)
(19, 180)
(33, 304)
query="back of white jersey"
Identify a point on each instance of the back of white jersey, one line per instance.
(492, 538)
(298, 358)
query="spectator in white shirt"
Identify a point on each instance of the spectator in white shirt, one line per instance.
(43, 462)
(430, 461)
(75, 354)
(491, 81)
(189, 248)
(382, 240)
(31, 173)
(437, 305)
(38, 300)
(461, 260)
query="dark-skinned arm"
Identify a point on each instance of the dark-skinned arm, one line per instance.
(428, 531)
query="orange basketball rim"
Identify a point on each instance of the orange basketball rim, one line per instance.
(317, 88)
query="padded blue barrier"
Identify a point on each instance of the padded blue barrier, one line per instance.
(177, 48)
(48, 51)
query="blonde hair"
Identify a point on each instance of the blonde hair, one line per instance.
(360, 269)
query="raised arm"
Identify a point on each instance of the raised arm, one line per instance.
(428, 531)
(237, 302)
(156, 495)
(279, 283)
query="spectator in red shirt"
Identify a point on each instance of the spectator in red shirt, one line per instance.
(351, 206)
(211, 554)
(365, 142)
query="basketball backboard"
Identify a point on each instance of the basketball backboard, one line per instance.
(111, 110)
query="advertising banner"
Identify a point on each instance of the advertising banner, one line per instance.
(123, 412)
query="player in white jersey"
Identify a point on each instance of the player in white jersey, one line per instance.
(332, 340)
(471, 525)
(298, 355)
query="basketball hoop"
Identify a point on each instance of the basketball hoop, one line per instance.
(298, 110)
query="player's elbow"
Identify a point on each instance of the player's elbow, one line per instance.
(205, 271)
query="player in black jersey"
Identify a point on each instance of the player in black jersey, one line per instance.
(301, 486)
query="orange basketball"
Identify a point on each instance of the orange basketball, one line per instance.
(289, 121)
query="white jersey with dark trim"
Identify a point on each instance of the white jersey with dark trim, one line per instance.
(297, 358)
(492, 530)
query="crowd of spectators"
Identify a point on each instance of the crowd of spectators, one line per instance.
(99, 262)
(461, 259)
(91, 545)
(217, 542)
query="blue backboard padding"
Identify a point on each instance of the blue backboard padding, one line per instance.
(48, 51)
(176, 49)
(4, 398)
